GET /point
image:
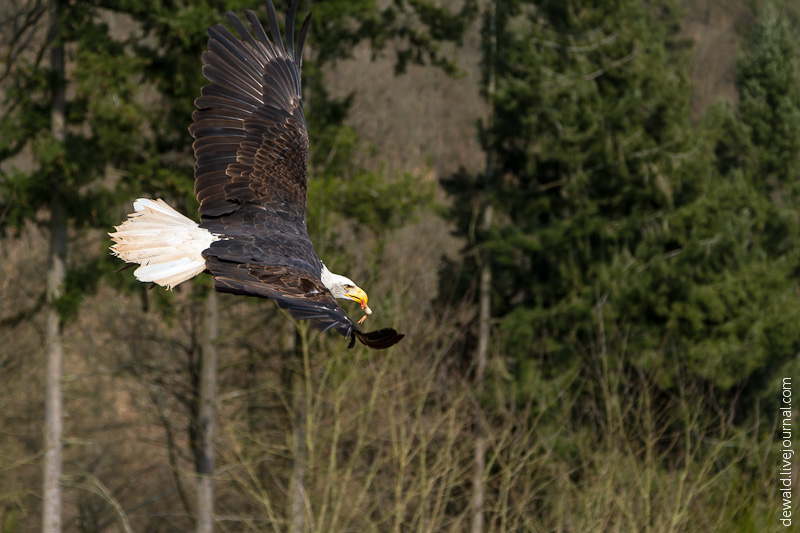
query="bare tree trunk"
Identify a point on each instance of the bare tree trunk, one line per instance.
(56, 273)
(479, 452)
(297, 350)
(204, 460)
(484, 292)
(481, 355)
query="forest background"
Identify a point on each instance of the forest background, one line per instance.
(583, 215)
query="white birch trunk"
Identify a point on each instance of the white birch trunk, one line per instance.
(56, 273)
(297, 349)
(484, 296)
(207, 416)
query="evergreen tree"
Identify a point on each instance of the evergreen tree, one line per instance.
(103, 139)
(769, 104)
(621, 229)
(103, 122)
(756, 148)
(729, 293)
(590, 131)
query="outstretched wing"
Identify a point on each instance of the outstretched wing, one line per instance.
(251, 142)
(251, 147)
(303, 296)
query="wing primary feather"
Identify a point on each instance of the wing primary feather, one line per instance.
(290, 16)
(229, 94)
(379, 339)
(225, 62)
(231, 49)
(223, 77)
(302, 314)
(274, 29)
(258, 29)
(246, 35)
(328, 327)
(298, 58)
(220, 36)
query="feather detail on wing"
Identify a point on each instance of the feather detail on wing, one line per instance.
(304, 297)
(251, 142)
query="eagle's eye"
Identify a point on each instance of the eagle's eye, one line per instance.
(348, 287)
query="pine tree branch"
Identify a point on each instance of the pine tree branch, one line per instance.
(614, 64)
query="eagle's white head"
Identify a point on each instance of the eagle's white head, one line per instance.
(342, 287)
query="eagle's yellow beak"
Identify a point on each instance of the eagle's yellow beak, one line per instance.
(358, 295)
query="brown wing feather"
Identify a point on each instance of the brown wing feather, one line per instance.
(251, 141)
(303, 296)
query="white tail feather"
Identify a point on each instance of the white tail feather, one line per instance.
(168, 246)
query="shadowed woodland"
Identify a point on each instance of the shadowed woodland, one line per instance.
(582, 214)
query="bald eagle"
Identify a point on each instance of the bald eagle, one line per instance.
(251, 150)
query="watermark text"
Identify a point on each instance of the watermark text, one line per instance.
(786, 452)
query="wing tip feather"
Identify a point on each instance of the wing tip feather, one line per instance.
(379, 339)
